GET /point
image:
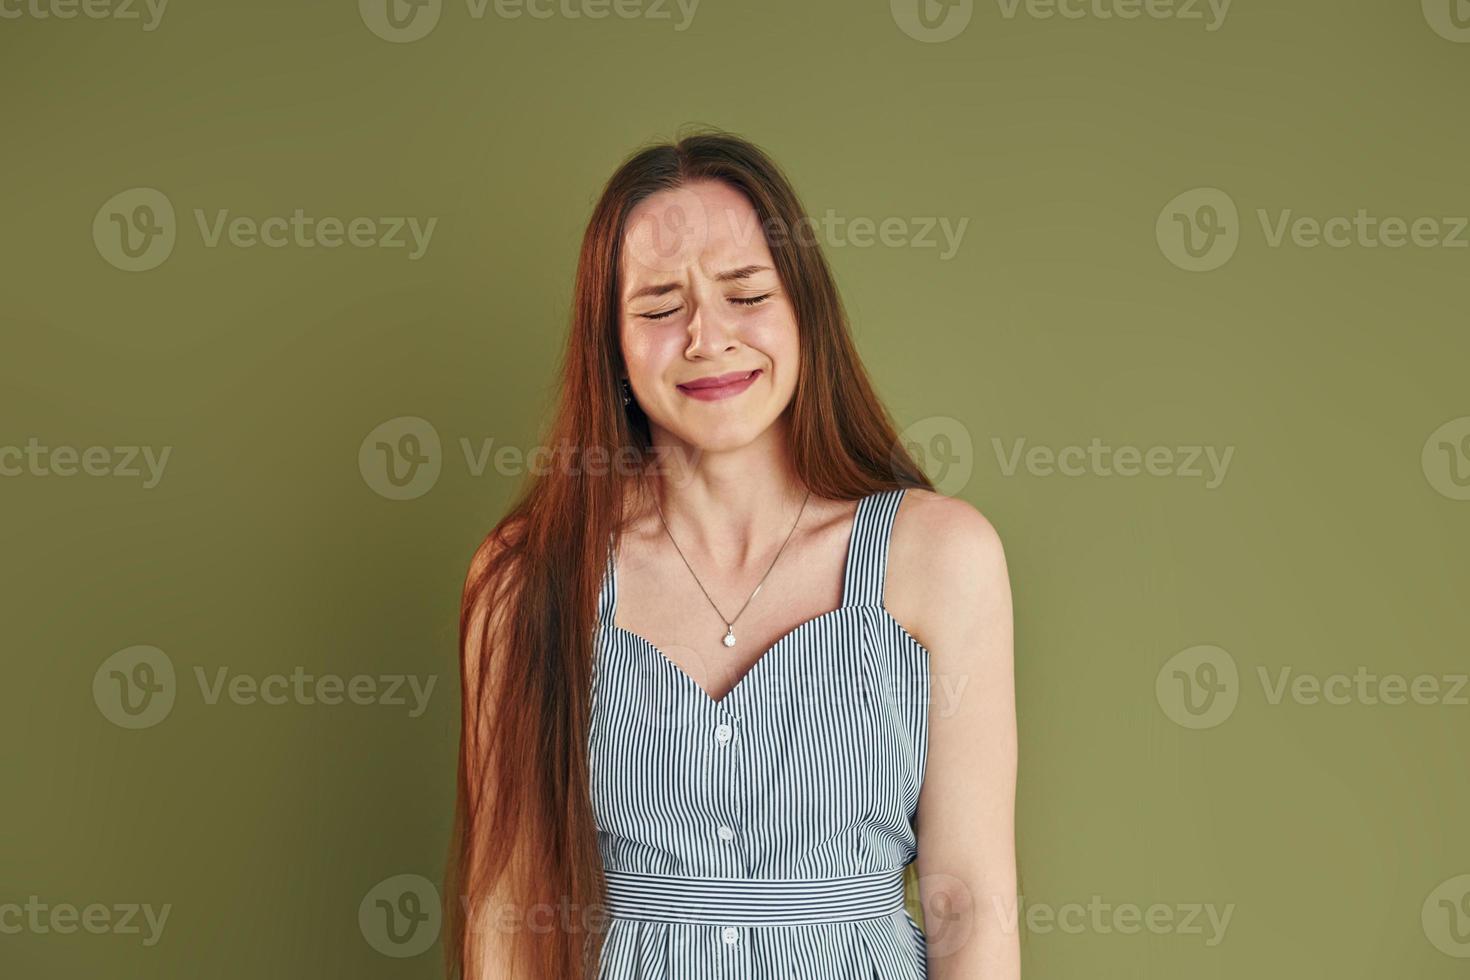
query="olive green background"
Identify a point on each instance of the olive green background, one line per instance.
(1328, 546)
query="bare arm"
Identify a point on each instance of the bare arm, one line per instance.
(966, 816)
(482, 681)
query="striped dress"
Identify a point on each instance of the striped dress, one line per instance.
(764, 836)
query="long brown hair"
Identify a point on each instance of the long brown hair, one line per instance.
(524, 836)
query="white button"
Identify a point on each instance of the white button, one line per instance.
(727, 833)
(730, 935)
(722, 734)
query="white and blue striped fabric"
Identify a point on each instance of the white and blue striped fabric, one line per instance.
(764, 836)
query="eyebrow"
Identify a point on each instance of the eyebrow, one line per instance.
(744, 272)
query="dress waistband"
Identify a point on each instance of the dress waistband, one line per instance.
(754, 901)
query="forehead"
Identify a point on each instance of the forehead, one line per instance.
(704, 226)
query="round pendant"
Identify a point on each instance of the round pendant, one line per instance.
(729, 640)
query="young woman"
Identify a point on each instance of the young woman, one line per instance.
(732, 671)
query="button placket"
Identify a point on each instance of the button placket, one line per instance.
(734, 956)
(726, 738)
(724, 735)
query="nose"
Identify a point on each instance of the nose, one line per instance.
(712, 329)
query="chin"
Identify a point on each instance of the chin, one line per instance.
(723, 437)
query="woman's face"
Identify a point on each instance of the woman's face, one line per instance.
(701, 304)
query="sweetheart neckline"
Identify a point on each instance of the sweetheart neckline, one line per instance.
(722, 702)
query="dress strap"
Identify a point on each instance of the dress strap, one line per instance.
(867, 550)
(867, 556)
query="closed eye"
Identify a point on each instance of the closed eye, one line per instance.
(742, 301)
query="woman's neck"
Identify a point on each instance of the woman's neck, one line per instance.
(732, 506)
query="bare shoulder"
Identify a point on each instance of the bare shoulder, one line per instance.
(939, 539)
(946, 569)
(495, 547)
(483, 610)
(497, 555)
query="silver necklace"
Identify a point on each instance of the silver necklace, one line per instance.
(729, 638)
